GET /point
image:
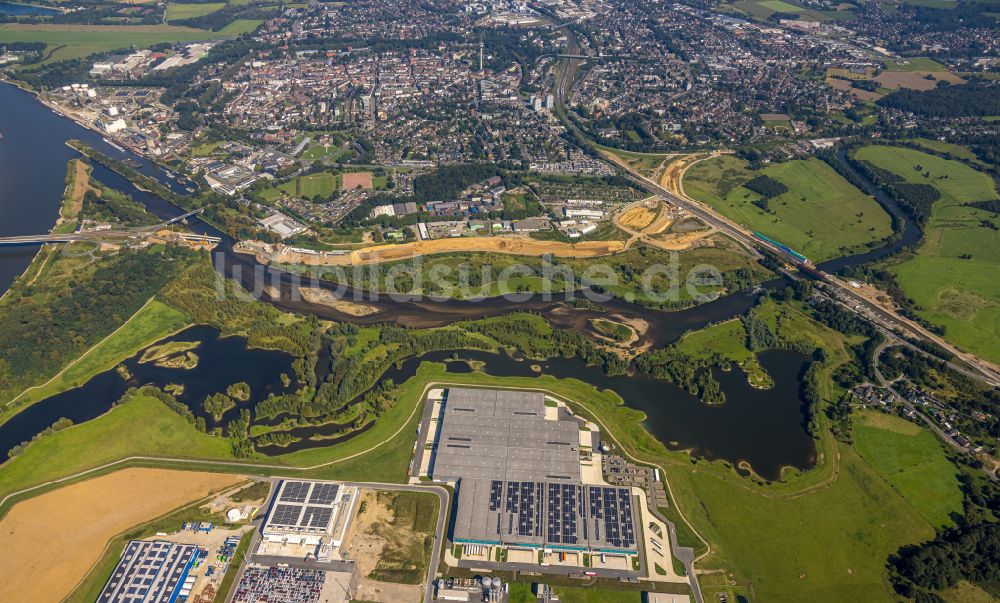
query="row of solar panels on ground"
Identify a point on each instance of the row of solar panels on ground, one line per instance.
(608, 512)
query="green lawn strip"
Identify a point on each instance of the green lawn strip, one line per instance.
(914, 463)
(821, 215)
(177, 11)
(234, 567)
(152, 322)
(141, 426)
(957, 293)
(570, 594)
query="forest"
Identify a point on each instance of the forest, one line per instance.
(767, 188)
(975, 99)
(42, 329)
(915, 199)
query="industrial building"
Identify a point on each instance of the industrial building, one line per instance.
(151, 572)
(503, 434)
(307, 517)
(517, 465)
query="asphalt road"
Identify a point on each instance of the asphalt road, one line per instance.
(439, 533)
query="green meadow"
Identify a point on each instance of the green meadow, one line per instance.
(913, 461)
(320, 183)
(177, 11)
(959, 293)
(74, 41)
(821, 215)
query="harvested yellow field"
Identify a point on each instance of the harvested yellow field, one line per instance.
(51, 541)
(916, 80)
(638, 218)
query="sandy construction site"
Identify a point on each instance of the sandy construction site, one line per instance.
(51, 541)
(366, 543)
(511, 245)
(639, 217)
(405, 251)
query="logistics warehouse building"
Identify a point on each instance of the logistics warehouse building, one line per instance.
(519, 479)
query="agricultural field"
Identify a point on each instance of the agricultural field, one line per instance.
(915, 64)
(73, 41)
(59, 535)
(952, 276)
(177, 11)
(821, 215)
(239, 27)
(913, 461)
(762, 9)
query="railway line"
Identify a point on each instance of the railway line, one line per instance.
(798, 265)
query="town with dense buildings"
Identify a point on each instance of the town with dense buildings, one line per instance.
(259, 354)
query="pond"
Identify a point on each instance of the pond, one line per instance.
(222, 361)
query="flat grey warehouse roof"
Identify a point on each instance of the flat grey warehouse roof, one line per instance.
(502, 434)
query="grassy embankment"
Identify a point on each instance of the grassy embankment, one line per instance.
(960, 294)
(856, 517)
(152, 322)
(821, 215)
(77, 185)
(647, 164)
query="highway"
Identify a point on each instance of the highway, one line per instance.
(102, 235)
(878, 315)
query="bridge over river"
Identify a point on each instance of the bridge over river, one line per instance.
(109, 234)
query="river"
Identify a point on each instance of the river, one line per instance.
(13, 8)
(33, 157)
(764, 429)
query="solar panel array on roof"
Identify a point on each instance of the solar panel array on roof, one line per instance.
(149, 571)
(291, 512)
(545, 514)
(323, 494)
(286, 515)
(294, 492)
(316, 516)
